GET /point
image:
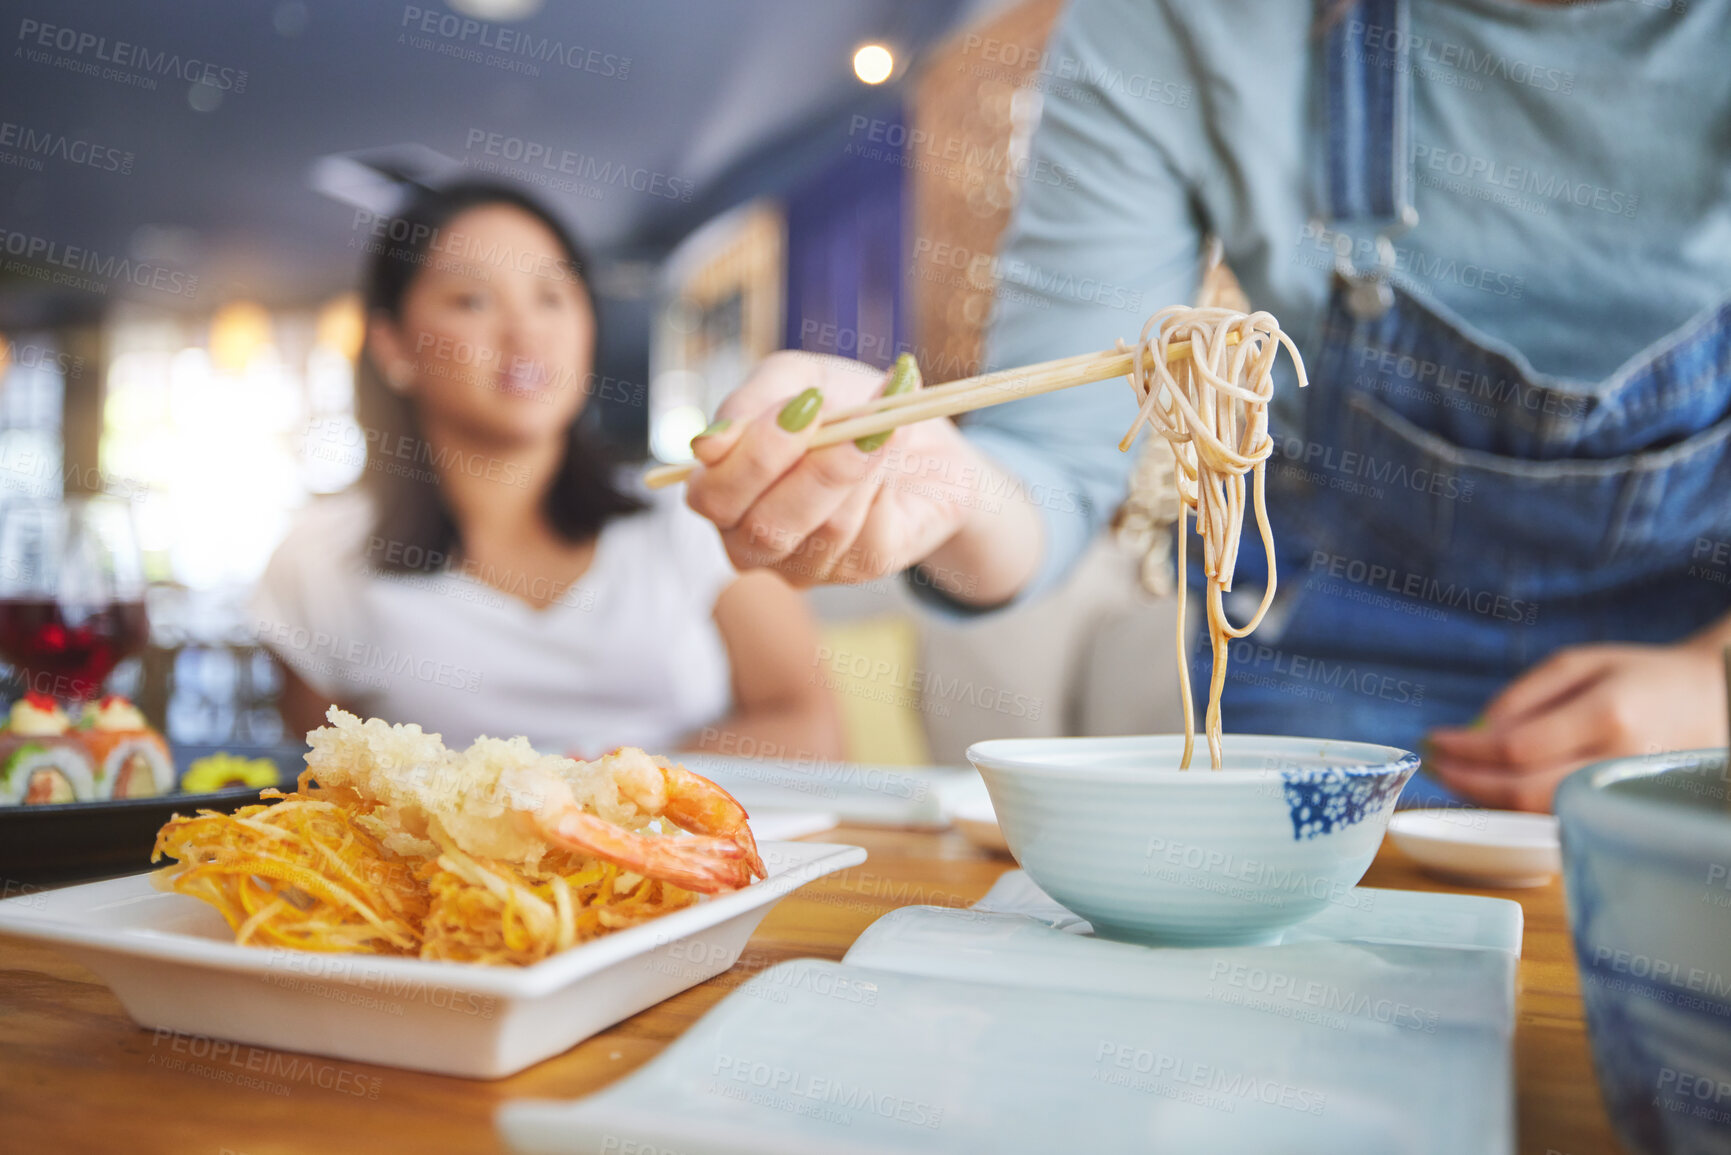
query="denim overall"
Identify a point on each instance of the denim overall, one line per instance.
(1447, 517)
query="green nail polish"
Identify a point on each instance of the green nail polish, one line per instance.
(904, 378)
(716, 427)
(798, 413)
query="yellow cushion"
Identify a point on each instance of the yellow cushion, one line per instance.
(871, 667)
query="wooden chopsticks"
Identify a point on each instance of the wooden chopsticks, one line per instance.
(951, 398)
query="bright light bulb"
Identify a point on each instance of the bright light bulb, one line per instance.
(873, 64)
(342, 325)
(239, 331)
(670, 436)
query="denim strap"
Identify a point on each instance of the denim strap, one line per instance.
(1367, 100)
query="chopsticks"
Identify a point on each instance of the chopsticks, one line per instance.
(962, 396)
(1727, 654)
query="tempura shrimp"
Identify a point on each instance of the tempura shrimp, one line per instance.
(500, 799)
(720, 855)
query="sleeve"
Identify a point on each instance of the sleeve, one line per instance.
(1106, 232)
(300, 609)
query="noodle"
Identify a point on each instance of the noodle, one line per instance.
(1211, 406)
(310, 873)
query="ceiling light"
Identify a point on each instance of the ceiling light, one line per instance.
(496, 10)
(342, 325)
(239, 331)
(873, 63)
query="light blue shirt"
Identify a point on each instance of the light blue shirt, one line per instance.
(1571, 170)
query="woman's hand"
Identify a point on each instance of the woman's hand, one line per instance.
(1581, 705)
(838, 514)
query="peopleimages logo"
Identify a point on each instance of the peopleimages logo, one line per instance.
(1279, 987)
(1049, 74)
(75, 266)
(417, 243)
(1323, 460)
(1548, 187)
(38, 39)
(33, 356)
(358, 658)
(805, 1094)
(510, 43)
(916, 682)
(1658, 970)
(1226, 1088)
(1422, 587)
(31, 144)
(533, 154)
(878, 139)
(1319, 245)
(1462, 58)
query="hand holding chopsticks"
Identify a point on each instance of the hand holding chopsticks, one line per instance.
(895, 409)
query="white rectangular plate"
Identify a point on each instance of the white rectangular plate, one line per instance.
(781, 825)
(174, 964)
(857, 793)
(1382, 1026)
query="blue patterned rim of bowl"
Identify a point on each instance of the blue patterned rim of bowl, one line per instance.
(1324, 799)
(1647, 871)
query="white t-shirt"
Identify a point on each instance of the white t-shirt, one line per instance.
(628, 655)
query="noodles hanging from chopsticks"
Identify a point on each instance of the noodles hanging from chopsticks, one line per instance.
(1211, 406)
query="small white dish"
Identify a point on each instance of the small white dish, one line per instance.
(1500, 848)
(174, 965)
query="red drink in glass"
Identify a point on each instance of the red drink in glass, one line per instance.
(67, 651)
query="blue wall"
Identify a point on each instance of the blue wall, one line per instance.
(845, 246)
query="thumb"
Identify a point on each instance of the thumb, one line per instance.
(714, 442)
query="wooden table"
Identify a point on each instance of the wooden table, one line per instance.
(77, 1076)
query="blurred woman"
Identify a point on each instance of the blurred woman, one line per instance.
(488, 574)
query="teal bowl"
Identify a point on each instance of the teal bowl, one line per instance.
(1647, 875)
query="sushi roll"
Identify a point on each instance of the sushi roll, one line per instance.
(131, 759)
(41, 761)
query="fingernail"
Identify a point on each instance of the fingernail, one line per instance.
(716, 427)
(798, 413)
(904, 378)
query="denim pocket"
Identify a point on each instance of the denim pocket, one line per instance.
(1554, 528)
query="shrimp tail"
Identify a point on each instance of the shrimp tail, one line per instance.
(716, 813)
(702, 863)
(689, 801)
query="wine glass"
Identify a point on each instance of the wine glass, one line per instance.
(71, 593)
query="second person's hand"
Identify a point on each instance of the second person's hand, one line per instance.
(841, 514)
(1584, 704)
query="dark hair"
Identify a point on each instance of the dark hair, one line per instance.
(410, 511)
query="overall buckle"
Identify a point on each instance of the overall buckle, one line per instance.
(1369, 292)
